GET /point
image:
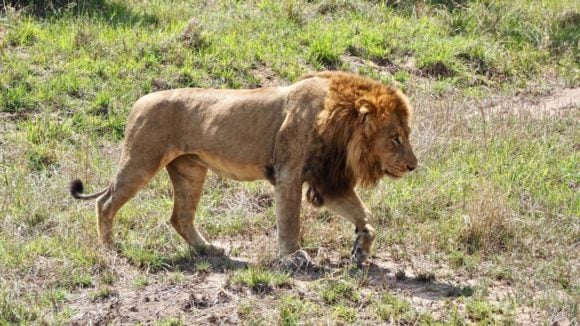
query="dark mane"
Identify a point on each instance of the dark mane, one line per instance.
(327, 173)
(341, 156)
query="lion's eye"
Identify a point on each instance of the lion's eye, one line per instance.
(397, 140)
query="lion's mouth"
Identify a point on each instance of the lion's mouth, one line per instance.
(393, 174)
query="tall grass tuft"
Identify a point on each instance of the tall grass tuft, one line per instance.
(488, 226)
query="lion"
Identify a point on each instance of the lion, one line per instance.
(330, 132)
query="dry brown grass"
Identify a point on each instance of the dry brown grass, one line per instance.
(488, 226)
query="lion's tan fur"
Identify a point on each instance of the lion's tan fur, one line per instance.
(331, 130)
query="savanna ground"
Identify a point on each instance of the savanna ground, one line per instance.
(486, 231)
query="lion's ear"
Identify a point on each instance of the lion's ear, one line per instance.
(365, 107)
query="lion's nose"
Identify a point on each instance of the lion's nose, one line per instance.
(411, 167)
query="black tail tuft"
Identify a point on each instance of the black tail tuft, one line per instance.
(76, 188)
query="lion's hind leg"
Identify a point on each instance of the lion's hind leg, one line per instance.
(188, 177)
(133, 174)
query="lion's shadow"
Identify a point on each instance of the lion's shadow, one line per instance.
(370, 276)
(214, 264)
(375, 277)
(421, 286)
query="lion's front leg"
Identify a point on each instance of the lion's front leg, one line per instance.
(288, 201)
(353, 209)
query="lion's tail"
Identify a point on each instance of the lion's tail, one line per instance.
(76, 190)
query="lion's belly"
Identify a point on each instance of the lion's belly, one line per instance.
(232, 170)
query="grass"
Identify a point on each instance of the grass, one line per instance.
(292, 309)
(390, 308)
(203, 266)
(141, 282)
(260, 279)
(101, 294)
(334, 292)
(169, 322)
(495, 200)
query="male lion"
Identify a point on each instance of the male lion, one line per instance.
(331, 130)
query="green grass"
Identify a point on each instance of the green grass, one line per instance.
(392, 308)
(101, 294)
(292, 310)
(348, 315)
(495, 199)
(141, 282)
(337, 291)
(260, 279)
(203, 266)
(82, 61)
(170, 322)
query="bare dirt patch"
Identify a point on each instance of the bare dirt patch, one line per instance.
(267, 77)
(561, 102)
(209, 298)
(356, 63)
(199, 298)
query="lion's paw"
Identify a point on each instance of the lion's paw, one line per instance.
(212, 250)
(299, 260)
(359, 255)
(109, 245)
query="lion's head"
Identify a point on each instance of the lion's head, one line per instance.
(363, 134)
